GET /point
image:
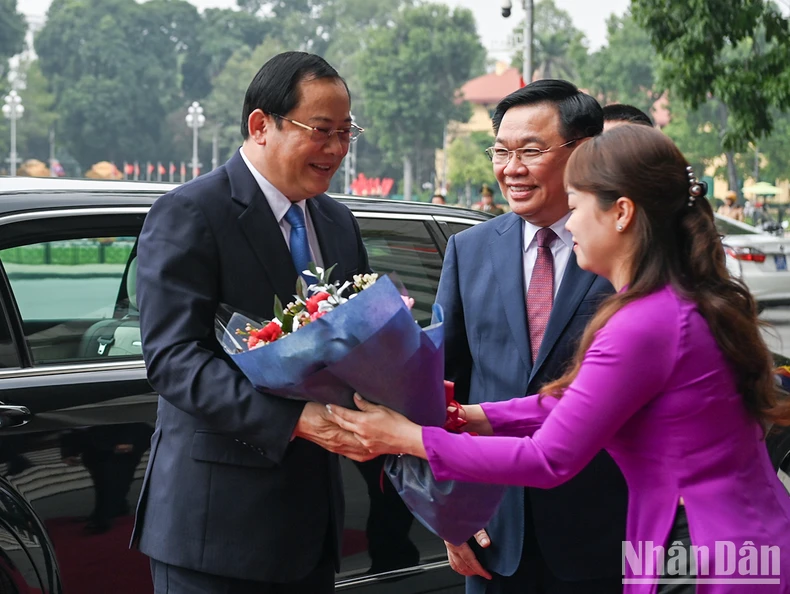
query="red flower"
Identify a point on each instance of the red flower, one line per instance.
(253, 339)
(269, 333)
(316, 315)
(312, 302)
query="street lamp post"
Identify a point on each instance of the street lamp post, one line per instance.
(350, 169)
(526, 52)
(13, 110)
(195, 120)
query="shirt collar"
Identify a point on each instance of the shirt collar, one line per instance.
(530, 231)
(278, 202)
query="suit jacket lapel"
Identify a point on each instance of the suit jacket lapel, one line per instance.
(506, 251)
(575, 284)
(262, 229)
(328, 236)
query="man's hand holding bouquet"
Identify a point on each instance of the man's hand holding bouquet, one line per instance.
(333, 341)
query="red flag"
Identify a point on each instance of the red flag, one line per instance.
(128, 169)
(161, 169)
(150, 168)
(172, 168)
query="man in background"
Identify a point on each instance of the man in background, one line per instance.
(486, 203)
(618, 114)
(516, 304)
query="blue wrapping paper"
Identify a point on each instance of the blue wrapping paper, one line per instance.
(371, 345)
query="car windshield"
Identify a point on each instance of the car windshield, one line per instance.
(730, 227)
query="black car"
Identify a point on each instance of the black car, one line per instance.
(76, 410)
(77, 413)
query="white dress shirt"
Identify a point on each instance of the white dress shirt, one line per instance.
(561, 250)
(280, 206)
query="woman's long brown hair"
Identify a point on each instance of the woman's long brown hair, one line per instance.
(678, 244)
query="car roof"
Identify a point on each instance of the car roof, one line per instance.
(34, 193)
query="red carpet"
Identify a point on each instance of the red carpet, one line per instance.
(103, 563)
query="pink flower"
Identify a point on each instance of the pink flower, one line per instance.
(317, 314)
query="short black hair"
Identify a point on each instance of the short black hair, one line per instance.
(619, 112)
(275, 88)
(580, 115)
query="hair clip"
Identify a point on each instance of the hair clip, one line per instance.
(697, 189)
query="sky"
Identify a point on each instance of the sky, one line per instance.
(589, 17)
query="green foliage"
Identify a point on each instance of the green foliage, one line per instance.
(623, 71)
(120, 70)
(32, 130)
(12, 32)
(224, 104)
(219, 34)
(696, 133)
(467, 161)
(410, 73)
(736, 51)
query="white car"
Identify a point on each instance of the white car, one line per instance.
(759, 259)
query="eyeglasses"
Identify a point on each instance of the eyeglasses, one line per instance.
(527, 155)
(323, 135)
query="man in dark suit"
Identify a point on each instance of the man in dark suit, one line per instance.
(515, 305)
(241, 494)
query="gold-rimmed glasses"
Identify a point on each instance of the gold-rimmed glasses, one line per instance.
(526, 155)
(323, 135)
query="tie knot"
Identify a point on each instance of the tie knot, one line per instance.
(295, 216)
(545, 237)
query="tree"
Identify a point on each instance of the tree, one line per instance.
(224, 104)
(12, 33)
(696, 134)
(121, 70)
(735, 51)
(113, 66)
(218, 34)
(624, 70)
(410, 73)
(468, 165)
(40, 116)
(557, 44)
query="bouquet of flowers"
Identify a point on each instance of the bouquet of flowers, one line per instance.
(333, 340)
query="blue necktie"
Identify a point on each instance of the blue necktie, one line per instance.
(300, 247)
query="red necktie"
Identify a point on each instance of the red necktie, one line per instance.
(540, 296)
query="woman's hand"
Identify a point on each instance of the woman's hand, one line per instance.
(379, 429)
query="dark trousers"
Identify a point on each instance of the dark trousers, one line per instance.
(680, 533)
(389, 522)
(170, 579)
(533, 575)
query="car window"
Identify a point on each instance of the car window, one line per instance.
(406, 248)
(380, 533)
(457, 227)
(9, 354)
(68, 293)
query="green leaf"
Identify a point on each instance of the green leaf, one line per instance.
(301, 288)
(328, 274)
(278, 308)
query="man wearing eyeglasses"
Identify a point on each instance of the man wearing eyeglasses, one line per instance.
(241, 493)
(515, 305)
